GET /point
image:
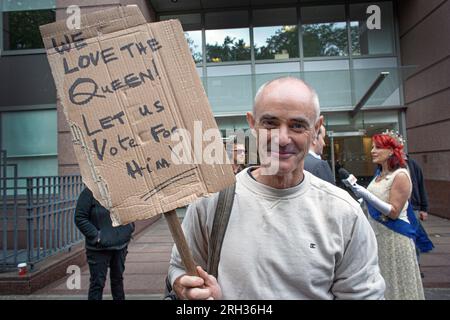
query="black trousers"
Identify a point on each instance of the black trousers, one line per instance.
(99, 261)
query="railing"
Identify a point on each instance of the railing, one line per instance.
(37, 218)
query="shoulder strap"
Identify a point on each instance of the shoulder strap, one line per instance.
(220, 223)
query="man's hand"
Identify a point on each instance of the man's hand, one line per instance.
(204, 287)
(423, 215)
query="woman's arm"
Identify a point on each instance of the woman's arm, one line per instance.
(399, 194)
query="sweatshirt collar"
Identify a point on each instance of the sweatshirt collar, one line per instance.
(257, 187)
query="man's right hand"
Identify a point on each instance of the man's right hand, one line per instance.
(423, 215)
(204, 287)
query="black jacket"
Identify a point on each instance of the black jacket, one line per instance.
(319, 168)
(95, 224)
(419, 199)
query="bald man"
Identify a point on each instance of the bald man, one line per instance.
(313, 161)
(290, 235)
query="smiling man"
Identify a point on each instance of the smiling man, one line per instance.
(290, 234)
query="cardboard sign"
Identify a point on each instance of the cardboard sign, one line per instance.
(127, 88)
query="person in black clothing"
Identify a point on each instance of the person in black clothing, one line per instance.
(419, 198)
(106, 246)
(313, 160)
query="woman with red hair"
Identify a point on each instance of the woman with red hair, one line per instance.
(386, 202)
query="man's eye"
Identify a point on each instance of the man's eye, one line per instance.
(269, 124)
(298, 126)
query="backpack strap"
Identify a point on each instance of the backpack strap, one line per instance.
(220, 223)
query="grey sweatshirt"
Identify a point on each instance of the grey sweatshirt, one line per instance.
(311, 241)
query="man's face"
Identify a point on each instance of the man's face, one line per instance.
(286, 111)
(239, 154)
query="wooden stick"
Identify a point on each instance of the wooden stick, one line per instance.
(180, 242)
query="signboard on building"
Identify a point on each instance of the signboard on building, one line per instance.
(128, 88)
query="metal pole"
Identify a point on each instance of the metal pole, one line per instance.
(369, 93)
(333, 166)
(30, 238)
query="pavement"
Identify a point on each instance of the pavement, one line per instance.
(149, 253)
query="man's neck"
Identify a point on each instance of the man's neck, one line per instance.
(236, 167)
(278, 181)
(315, 155)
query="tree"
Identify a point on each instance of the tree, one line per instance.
(325, 39)
(230, 50)
(196, 55)
(286, 38)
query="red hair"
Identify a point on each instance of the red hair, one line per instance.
(384, 141)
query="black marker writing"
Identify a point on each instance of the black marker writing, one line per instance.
(88, 93)
(160, 130)
(65, 46)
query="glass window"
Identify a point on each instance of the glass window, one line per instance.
(229, 88)
(279, 42)
(324, 31)
(29, 133)
(228, 45)
(227, 36)
(30, 140)
(366, 71)
(275, 33)
(331, 80)
(21, 28)
(367, 41)
(24, 5)
(194, 39)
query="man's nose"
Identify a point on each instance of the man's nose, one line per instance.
(283, 136)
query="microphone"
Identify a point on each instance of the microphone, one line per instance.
(348, 179)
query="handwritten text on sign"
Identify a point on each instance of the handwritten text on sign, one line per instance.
(84, 90)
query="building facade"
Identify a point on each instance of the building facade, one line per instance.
(361, 56)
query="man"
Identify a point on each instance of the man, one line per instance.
(290, 234)
(419, 198)
(313, 160)
(106, 246)
(238, 157)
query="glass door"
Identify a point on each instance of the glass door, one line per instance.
(350, 150)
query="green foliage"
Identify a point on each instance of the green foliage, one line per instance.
(230, 50)
(21, 28)
(284, 39)
(325, 39)
(197, 56)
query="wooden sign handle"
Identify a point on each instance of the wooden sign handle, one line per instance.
(180, 242)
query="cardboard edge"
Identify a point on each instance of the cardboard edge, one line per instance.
(94, 23)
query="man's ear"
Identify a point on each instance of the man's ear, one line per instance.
(251, 122)
(317, 126)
